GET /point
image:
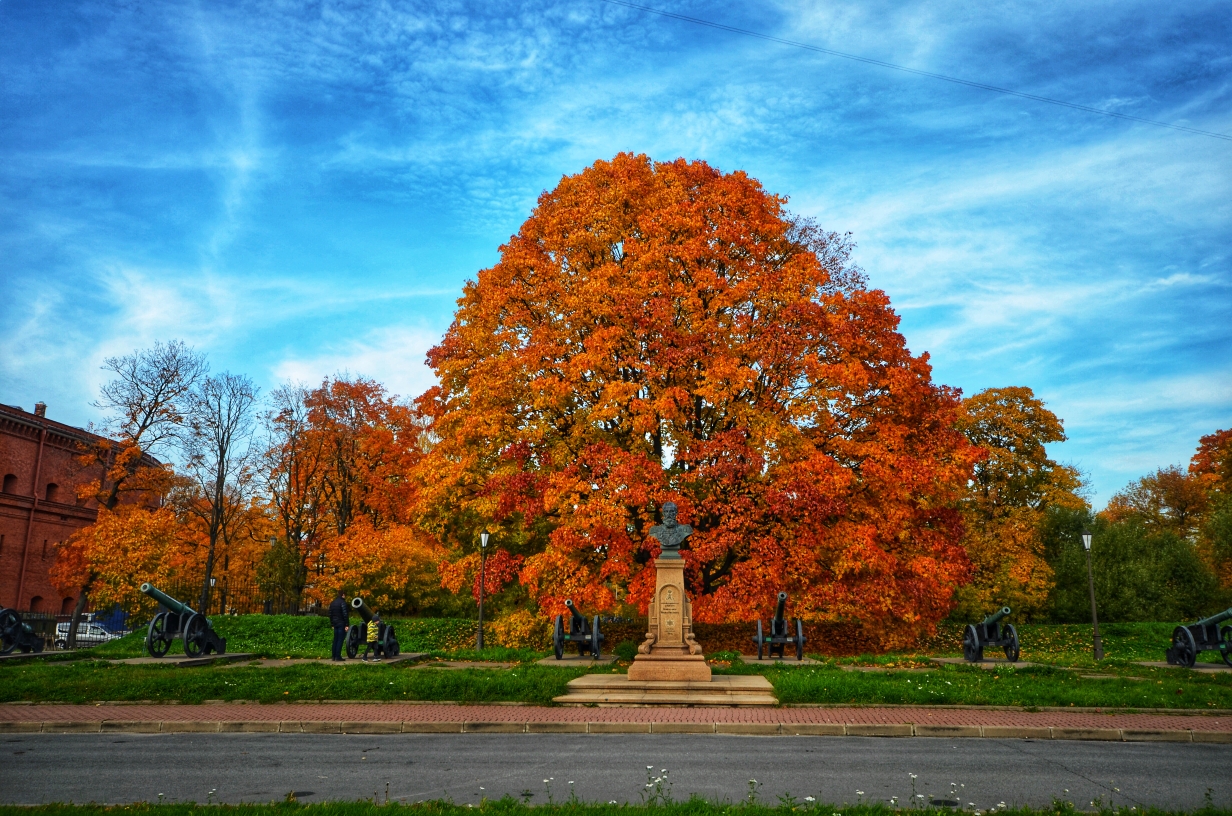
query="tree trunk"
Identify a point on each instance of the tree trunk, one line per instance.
(82, 600)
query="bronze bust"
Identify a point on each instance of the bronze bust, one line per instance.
(671, 534)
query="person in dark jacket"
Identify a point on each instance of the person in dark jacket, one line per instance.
(340, 619)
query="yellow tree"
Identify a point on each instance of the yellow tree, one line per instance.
(118, 552)
(391, 568)
(1211, 467)
(1010, 490)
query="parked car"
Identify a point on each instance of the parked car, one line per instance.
(88, 634)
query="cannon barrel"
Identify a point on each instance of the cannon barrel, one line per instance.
(166, 600)
(362, 608)
(995, 617)
(578, 620)
(781, 609)
(1216, 618)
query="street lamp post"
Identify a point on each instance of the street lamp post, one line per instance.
(483, 557)
(1086, 545)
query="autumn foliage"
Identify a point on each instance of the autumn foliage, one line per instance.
(1014, 484)
(665, 331)
(122, 549)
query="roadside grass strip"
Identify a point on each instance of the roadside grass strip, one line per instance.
(90, 681)
(658, 805)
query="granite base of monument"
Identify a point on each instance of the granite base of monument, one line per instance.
(617, 690)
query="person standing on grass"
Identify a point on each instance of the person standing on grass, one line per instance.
(340, 619)
(374, 629)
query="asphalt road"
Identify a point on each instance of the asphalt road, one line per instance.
(121, 768)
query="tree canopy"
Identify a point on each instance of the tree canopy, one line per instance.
(665, 331)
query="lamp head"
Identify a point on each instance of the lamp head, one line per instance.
(483, 538)
(1086, 539)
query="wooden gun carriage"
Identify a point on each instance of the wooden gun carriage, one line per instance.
(990, 632)
(1206, 634)
(17, 634)
(179, 620)
(582, 632)
(779, 638)
(386, 641)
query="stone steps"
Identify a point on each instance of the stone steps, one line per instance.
(617, 690)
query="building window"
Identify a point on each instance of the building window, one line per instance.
(10, 483)
(53, 492)
(36, 603)
(66, 608)
(44, 548)
(1, 543)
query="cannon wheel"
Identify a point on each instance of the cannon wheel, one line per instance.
(1225, 634)
(1184, 647)
(973, 650)
(558, 639)
(799, 639)
(10, 629)
(595, 648)
(352, 642)
(389, 644)
(157, 641)
(759, 639)
(194, 635)
(1011, 643)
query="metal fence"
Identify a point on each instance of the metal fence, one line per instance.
(232, 595)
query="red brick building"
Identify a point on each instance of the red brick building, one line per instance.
(38, 504)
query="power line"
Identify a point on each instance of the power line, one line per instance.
(881, 63)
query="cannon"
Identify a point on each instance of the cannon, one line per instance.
(779, 638)
(17, 634)
(990, 632)
(1206, 634)
(584, 633)
(179, 620)
(386, 641)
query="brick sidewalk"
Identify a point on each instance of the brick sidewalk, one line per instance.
(904, 721)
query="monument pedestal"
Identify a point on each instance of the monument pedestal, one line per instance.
(670, 652)
(669, 669)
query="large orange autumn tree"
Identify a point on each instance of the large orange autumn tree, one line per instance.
(665, 331)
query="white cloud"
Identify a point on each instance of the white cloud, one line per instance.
(393, 356)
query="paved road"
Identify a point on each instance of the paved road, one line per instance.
(119, 768)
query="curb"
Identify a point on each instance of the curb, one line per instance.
(741, 729)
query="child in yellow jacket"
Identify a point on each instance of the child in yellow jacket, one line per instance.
(374, 629)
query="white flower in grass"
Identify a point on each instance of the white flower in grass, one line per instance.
(809, 799)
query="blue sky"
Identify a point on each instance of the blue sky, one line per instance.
(299, 189)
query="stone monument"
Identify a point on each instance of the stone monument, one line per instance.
(670, 652)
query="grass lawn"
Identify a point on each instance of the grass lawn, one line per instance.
(1063, 681)
(303, 636)
(512, 807)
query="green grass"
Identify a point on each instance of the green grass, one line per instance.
(92, 681)
(303, 636)
(1064, 649)
(1028, 687)
(512, 807)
